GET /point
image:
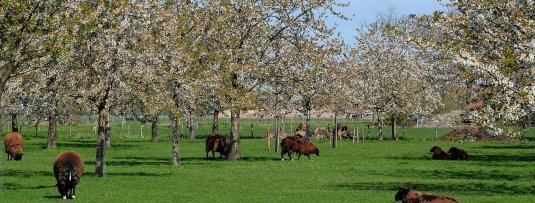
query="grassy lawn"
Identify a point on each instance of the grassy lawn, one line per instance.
(140, 171)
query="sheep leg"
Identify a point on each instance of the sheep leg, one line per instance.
(308, 156)
(73, 191)
(290, 155)
(298, 156)
(282, 154)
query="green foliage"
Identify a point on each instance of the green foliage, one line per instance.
(140, 171)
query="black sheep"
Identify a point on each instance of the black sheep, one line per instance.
(68, 168)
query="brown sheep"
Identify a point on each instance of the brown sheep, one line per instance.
(13, 144)
(439, 154)
(298, 145)
(410, 195)
(68, 168)
(458, 154)
(217, 143)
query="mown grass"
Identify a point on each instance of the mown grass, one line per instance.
(140, 171)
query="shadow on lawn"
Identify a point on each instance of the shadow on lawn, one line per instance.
(92, 144)
(470, 188)
(15, 186)
(518, 146)
(26, 174)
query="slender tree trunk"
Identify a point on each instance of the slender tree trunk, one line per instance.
(100, 163)
(234, 153)
(108, 131)
(335, 134)
(380, 133)
(1, 122)
(215, 122)
(277, 133)
(308, 130)
(154, 129)
(14, 123)
(191, 121)
(394, 132)
(174, 141)
(52, 124)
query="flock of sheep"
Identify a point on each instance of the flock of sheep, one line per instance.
(69, 165)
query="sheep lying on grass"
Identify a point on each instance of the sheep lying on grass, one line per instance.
(439, 154)
(13, 144)
(410, 195)
(68, 168)
(458, 154)
(298, 145)
(217, 143)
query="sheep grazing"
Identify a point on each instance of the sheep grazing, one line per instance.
(68, 168)
(410, 195)
(298, 145)
(458, 154)
(439, 154)
(13, 144)
(217, 143)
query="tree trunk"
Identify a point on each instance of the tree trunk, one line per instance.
(174, 141)
(108, 131)
(1, 122)
(380, 133)
(100, 163)
(154, 129)
(335, 134)
(215, 122)
(308, 130)
(52, 124)
(277, 132)
(191, 121)
(394, 132)
(234, 152)
(14, 123)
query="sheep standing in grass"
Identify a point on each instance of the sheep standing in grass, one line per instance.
(410, 195)
(458, 154)
(217, 143)
(13, 144)
(298, 145)
(68, 168)
(439, 154)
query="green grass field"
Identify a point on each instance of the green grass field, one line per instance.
(140, 171)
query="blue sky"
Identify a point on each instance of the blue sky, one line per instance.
(364, 12)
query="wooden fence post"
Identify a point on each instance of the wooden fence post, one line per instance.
(268, 141)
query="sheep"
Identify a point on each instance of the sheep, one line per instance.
(299, 145)
(13, 145)
(458, 154)
(68, 168)
(410, 195)
(439, 154)
(217, 143)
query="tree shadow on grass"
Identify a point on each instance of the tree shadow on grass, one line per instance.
(26, 174)
(470, 188)
(503, 157)
(92, 144)
(136, 173)
(16, 186)
(517, 146)
(255, 159)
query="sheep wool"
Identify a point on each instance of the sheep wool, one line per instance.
(13, 143)
(68, 168)
(216, 143)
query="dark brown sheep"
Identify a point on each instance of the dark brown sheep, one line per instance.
(298, 145)
(458, 154)
(217, 143)
(439, 154)
(13, 144)
(68, 168)
(410, 195)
